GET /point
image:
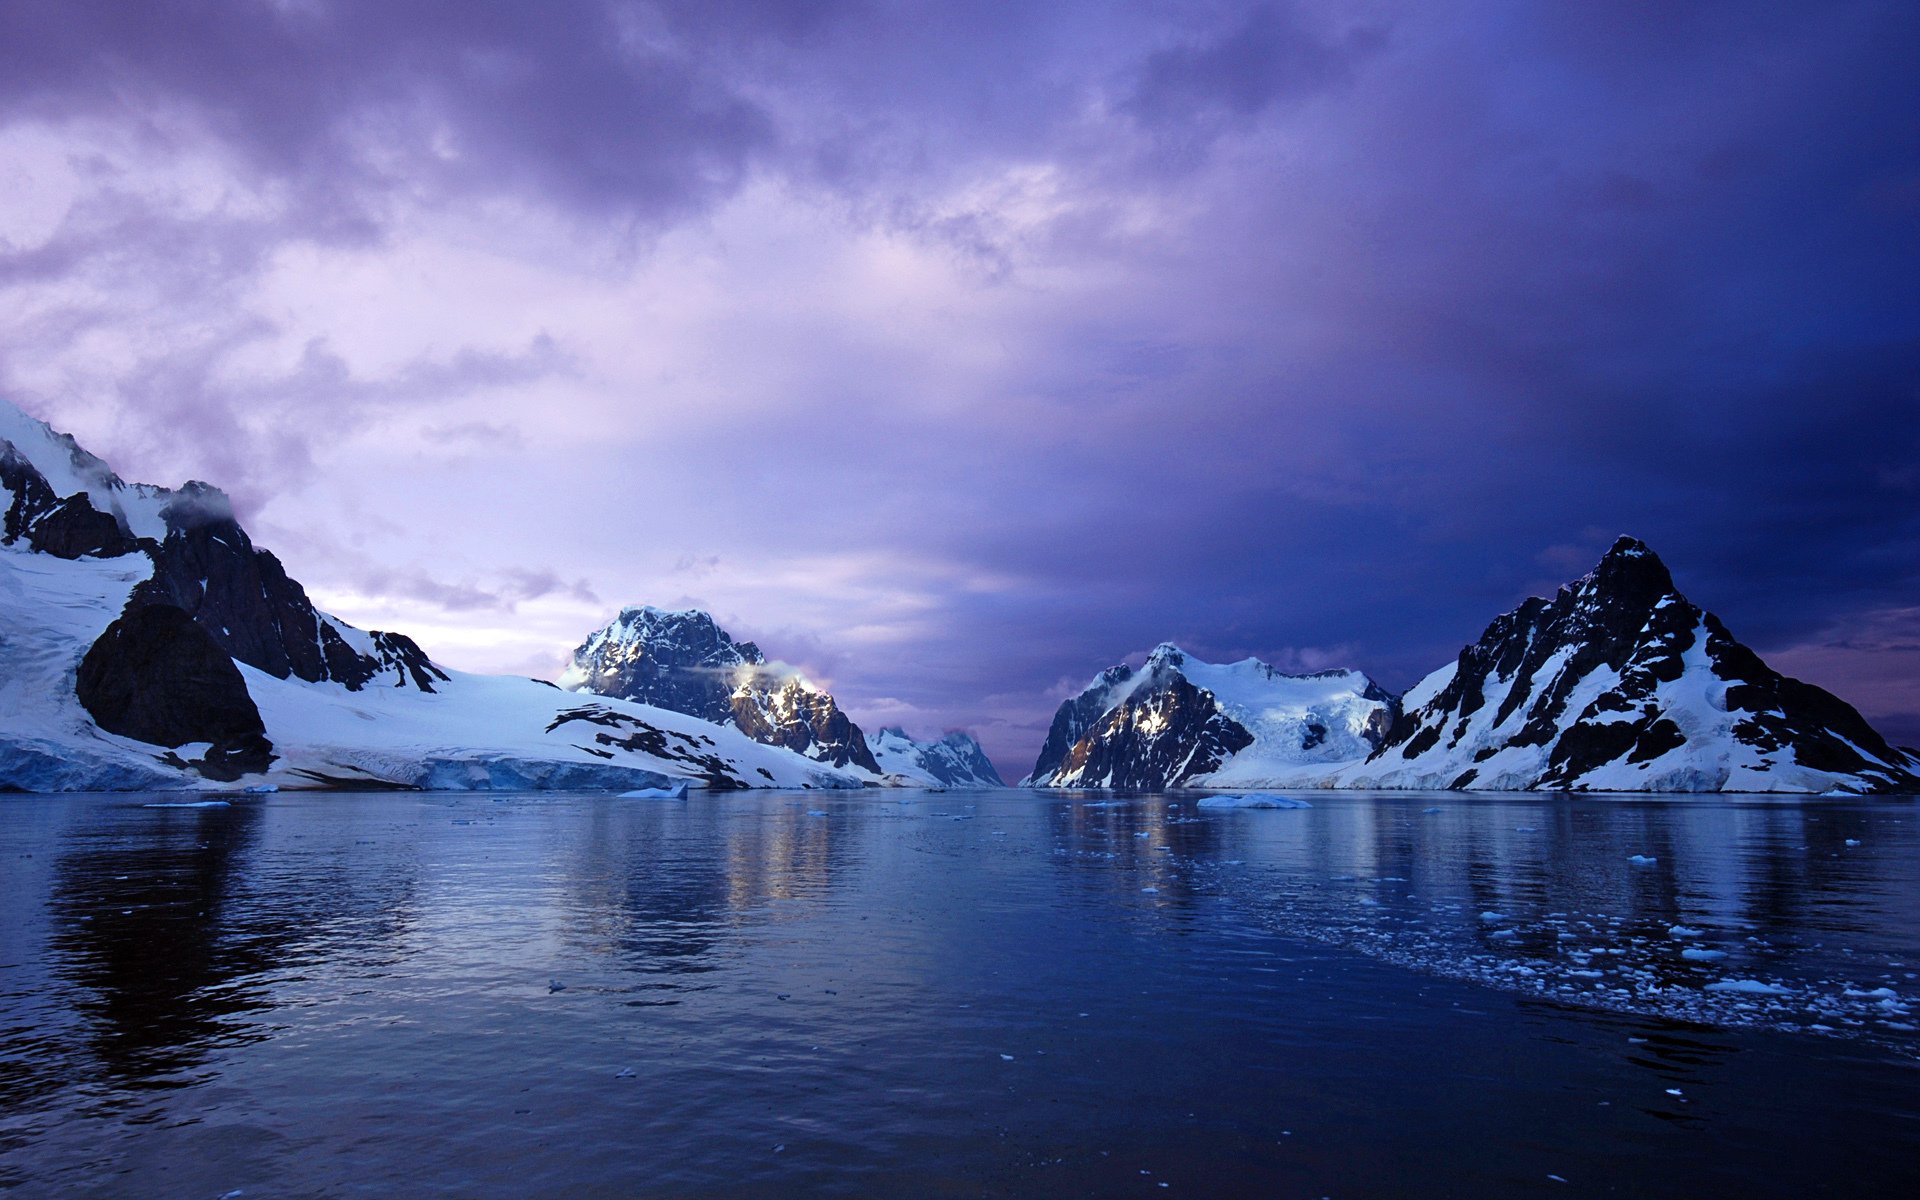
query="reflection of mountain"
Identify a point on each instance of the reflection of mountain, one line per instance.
(145, 933)
(1121, 846)
(1639, 907)
(171, 925)
(662, 885)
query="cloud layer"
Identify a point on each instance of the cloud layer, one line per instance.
(956, 352)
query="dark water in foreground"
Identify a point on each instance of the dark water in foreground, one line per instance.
(989, 994)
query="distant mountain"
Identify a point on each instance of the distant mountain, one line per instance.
(146, 642)
(683, 661)
(1182, 722)
(1617, 684)
(955, 760)
(1620, 683)
(671, 659)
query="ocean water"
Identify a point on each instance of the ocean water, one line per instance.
(958, 994)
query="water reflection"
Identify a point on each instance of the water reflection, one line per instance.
(1748, 912)
(660, 886)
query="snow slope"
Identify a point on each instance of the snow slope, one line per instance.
(1619, 683)
(342, 707)
(1182, 722)
(955, 760)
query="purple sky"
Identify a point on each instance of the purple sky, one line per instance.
(957, 351)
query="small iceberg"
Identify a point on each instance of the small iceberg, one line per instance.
(1748, 987)
(1642, 860)
(677, 792)
(188, 804)
(1253, 800)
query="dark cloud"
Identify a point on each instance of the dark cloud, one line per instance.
(562, 100)
(1270, 56)
(1278, 331)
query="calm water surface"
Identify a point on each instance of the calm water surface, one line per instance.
(959, 994)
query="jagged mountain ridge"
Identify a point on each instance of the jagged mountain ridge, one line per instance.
(145, 642)
(1620, 683)
(683, 660)
(956, 759)
(1182, 722)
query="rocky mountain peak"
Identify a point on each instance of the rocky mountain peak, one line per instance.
(682, 660)
(1630, 575)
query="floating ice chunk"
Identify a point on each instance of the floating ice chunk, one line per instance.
(1748, 987)
(1642, 860)
(554, 985)
(1006, 1058)
(1491, 915)
(1154, 890)
(1853, 841)
(624, 1073)
(1436, 808)
(188, 804)
(1683, 931)
(815, 812)
(1695, 954)
(677, 791)
(1253, 800)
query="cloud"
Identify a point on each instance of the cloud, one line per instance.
(1269, 56)
(956, 351)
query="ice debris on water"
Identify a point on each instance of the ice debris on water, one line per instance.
(1748, 987)
(677, 791)
(188, 804)
(554, 985)
(1254, 800)
(1642, 860)
(624, 1073)
(1853, 841)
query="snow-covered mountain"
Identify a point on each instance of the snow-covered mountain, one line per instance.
(955, 760)
(145, 642)
(1619, 683)
(683, 661)
(670, 659)
(1182, 722)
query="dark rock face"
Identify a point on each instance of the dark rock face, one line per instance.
(684, 662)
(1161, 737)
(65, 528)
(681, 661)
(1075, 717)
(156, 676)
(1616, 641)
(244, 599)
(803, 720)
